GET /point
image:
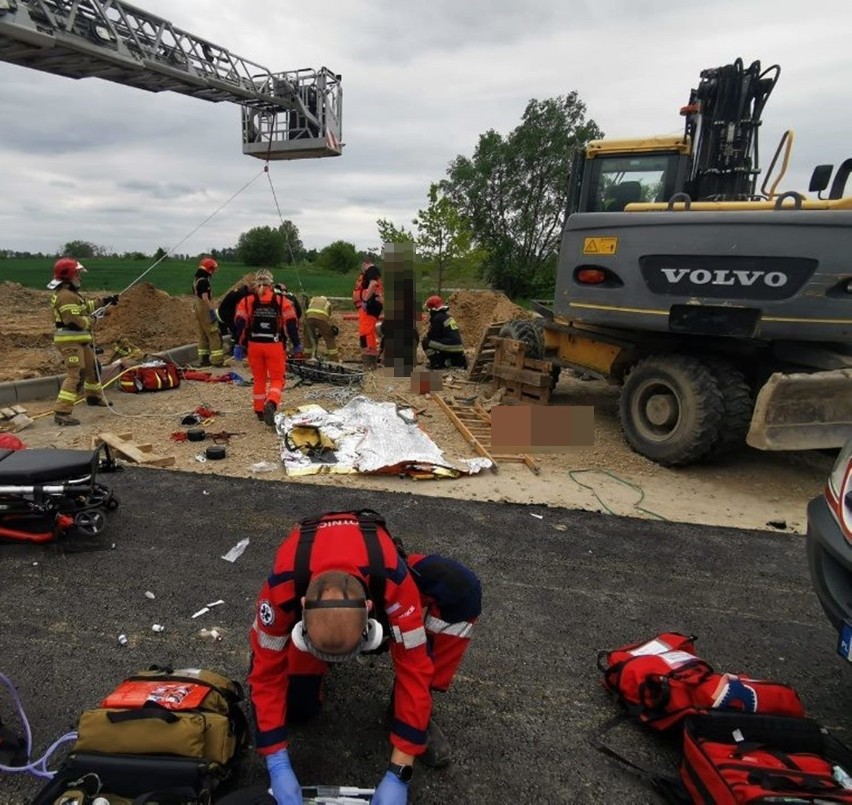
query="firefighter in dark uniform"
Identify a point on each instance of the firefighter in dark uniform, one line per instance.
(210, 351)
(341, 586)
(442, 342)
(74, 320)
(227, 309)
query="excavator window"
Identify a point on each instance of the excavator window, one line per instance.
(618, 180)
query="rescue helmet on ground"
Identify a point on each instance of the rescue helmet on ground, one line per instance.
(263, 277)
(208, 264)
(65, 269)
(434, 303)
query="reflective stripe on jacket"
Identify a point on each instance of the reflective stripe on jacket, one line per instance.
(72, 316)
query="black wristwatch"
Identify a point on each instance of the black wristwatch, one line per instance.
(403, 772)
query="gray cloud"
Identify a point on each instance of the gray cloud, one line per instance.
(94, 160)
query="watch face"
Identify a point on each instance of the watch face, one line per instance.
(403, 772)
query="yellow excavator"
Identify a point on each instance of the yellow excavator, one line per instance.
(724, 313)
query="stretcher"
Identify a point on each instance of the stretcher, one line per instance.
(48, 494)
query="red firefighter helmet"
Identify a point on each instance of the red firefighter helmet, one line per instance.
(433, 303)
(208, 264)
(65, 269)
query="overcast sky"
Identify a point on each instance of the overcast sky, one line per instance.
(132, 170)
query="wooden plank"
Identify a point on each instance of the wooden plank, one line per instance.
(132, 451)
(525, 376)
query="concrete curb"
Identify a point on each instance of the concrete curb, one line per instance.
(37, 388)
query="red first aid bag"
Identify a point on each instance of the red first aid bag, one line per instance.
(661, 681)
(734, 758)
(156, 376)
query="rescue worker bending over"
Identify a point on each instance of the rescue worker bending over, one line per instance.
(442, 342)
(319, 324)
(260, 321)
(227, 310)
(74, 320)
(210, 352)
(340, 587)
(368, 297)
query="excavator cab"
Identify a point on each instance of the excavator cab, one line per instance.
(611, 174)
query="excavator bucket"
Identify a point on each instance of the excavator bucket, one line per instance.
(803, 412)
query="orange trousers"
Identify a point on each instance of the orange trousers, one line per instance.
(268, 364)
(367, 332)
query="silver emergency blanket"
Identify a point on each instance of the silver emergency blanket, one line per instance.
(367, 437)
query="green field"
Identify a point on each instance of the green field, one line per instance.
(175, 276)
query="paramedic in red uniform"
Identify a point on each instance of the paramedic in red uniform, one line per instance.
(340, 587)
(261, 320)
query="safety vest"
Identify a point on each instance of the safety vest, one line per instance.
(265, 324)
(356, 291)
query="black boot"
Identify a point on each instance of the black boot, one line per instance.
(438, 753)
(269, 413)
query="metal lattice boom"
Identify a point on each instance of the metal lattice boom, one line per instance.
(288, 115)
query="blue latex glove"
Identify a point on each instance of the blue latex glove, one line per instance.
(391, 791)
(239, 353)
(213, 316)
(285, 786)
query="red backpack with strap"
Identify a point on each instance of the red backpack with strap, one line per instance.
(662, 680)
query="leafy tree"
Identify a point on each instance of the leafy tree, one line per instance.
(261, 246)
(389, 233)
(81, 249)
(160, 253)
(340, 256)
(513, 191)
(293, 248)
(442, 233)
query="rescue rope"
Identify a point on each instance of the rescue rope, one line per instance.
(286, 236)
(634, 487)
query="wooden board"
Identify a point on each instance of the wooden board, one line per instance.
(139, 453)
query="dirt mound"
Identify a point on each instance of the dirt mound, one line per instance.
(149, 319)
(475, 310)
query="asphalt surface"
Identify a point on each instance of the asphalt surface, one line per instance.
(556, 591)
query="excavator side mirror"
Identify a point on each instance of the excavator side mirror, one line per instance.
(820, 178)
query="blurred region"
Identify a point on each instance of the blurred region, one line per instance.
(541, 429)
(399, 335)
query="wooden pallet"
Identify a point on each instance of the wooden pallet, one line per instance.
(474, 423)
(480, 369)
(138, 453)
(524, 380)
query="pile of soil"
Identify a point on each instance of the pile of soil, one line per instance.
(154, 321)
(475, 310)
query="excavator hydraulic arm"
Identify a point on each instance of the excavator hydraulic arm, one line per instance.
(294, 114)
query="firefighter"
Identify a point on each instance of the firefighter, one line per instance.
(210, 351)
(442, 342)
(341, 586)
(261, 320)
(296, 351)
(74, 321)
(368, 297)
(319, 324)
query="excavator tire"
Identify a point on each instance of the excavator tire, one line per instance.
(671, 409)
(524, 330)
(738, 404)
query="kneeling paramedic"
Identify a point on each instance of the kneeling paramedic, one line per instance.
(341, 587)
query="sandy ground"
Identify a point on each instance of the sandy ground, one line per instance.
(749, 490)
